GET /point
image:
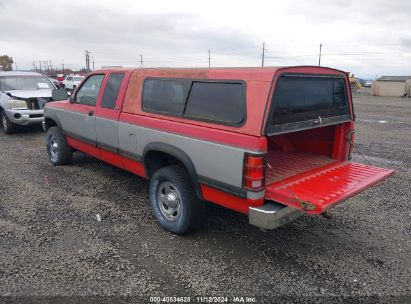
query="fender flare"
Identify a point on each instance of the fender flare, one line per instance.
(55, 118)
(178, 154)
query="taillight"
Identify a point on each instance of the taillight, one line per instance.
(254, 172)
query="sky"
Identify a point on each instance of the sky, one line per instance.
(368, 38)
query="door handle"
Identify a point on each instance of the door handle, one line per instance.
(90, 113)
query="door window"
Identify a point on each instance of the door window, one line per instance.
(88, 92)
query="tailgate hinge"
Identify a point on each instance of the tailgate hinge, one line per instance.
(306, 205)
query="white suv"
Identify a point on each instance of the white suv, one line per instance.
(71, 82)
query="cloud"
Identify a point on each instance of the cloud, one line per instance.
(180, 34)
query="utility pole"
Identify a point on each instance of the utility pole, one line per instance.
(62, 66)
(319, 56)
(141, 61)
(87, 54)
(93, 62)
(263, 55)
(209, 58)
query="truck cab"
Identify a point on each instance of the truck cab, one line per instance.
(271, 143)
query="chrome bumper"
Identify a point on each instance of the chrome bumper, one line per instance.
(272, 215)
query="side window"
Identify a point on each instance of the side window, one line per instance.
(88, 92)
(165, 95)
(69, 78)
(217, 101)
(111, 90)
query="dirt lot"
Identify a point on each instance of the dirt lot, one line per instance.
(52, 245)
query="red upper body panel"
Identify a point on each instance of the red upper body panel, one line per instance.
(260, 82)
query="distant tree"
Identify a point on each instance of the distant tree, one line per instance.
(6, 63)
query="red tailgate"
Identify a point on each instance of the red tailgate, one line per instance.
(321, 188)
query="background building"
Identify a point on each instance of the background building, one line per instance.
(394, 86)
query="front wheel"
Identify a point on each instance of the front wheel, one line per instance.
(174, 201)
(57, 149)
(8, 126)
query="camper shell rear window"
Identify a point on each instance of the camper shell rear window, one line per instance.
(307, 101)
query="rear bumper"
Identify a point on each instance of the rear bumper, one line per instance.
(272, 215)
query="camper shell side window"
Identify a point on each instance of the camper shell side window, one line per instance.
(215, 101)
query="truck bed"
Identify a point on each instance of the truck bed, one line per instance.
(283, 165)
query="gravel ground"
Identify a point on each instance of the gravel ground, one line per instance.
(51, 243)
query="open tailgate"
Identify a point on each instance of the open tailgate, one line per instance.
(317, 190)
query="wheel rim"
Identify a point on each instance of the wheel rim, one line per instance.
(53, 148)
(169, 201)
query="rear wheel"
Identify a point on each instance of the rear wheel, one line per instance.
(174, 201)
(8, 126)
(57, 149)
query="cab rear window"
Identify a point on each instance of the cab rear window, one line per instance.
(221, 102)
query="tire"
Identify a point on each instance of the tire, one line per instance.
(57, 149)
(8, 126)
(174, 201)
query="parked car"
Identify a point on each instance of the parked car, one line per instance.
(22, 98)
(240, 138)
(368, 84)
(55, 82)
(60, 78)
(71, 82)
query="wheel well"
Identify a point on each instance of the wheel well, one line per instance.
(50, 123)
(154, 160)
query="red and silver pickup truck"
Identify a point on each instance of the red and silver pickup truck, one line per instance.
(271, 143)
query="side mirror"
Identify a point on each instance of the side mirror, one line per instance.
(59, 94)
